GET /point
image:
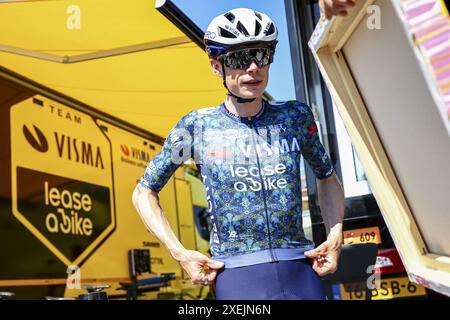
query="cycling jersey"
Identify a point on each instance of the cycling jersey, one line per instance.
(250, 167)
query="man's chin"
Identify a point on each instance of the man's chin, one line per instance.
(252, 94)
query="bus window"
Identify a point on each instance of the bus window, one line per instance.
(202, 221)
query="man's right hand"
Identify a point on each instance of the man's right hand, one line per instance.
(199, 267)
(332, 8)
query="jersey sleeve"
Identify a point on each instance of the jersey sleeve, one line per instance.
(313, 151)
(177, 148)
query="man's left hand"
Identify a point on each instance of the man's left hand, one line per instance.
(325, 258)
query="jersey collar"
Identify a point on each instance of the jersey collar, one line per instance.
(227, 112)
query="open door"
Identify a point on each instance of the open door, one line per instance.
(386, 69)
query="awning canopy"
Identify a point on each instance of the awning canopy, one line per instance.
(121, 57)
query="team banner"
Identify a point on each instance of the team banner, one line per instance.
(62, 178)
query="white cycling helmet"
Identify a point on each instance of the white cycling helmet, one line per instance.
(237, 27)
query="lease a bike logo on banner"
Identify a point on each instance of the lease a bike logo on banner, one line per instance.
(62, 178)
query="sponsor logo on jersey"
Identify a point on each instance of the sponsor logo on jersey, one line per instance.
(271, 129)
(263, 148)
(252, 178)
(262, 131)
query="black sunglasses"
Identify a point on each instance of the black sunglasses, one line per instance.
(242, 59)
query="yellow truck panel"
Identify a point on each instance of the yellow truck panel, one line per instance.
(67, 218)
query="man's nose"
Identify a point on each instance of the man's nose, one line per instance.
(253, 67)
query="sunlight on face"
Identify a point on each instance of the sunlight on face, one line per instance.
(245, 83)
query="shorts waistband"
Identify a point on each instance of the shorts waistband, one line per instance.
(262, 256)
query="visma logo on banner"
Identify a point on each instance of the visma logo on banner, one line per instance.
(39, 142)
(67, 147)
(125, 150)
(62, 178)
(135, 153)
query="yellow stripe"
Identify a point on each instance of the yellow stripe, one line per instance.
(440, 57)
(444, 8)
(436, 71)
(433, 34)
(445, 85)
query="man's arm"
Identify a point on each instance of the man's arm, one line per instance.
(198, 266)
(331, 201)
(147, 205)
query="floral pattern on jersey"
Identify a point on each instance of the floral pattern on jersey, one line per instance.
(251, 170)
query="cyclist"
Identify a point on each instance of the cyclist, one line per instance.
(248, 151)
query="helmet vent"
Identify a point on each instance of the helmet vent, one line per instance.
(226, 34)
(271, 29)
(257, 28)
(258, 15)
(229, 16)
(242, 29)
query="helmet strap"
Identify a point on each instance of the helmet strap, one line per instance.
(238, 99)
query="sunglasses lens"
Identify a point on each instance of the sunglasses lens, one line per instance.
(241, 59)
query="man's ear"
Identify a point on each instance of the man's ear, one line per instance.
(216, 67)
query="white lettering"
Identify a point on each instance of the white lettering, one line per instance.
(195, 310)
(282, 145)
(181, 141)
(247, 149)
(373, 281)
(280, 168)
(240, 186)
(281, 183)
(253, 176)
(74, 20)
(256, 186)
(73, 278)
(374, 20)
(254, 171)
(268, 170)
(271, 183)
(241, 172)
(295, 146)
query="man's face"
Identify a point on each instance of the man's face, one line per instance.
(245, 83)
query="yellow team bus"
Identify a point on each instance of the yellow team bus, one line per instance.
(66, 216)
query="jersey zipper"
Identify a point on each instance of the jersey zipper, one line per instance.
(263, 191)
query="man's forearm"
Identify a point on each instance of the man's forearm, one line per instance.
(331, 201)
(147, 204)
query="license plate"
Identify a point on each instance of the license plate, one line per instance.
(365, 235)
(388, 289)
